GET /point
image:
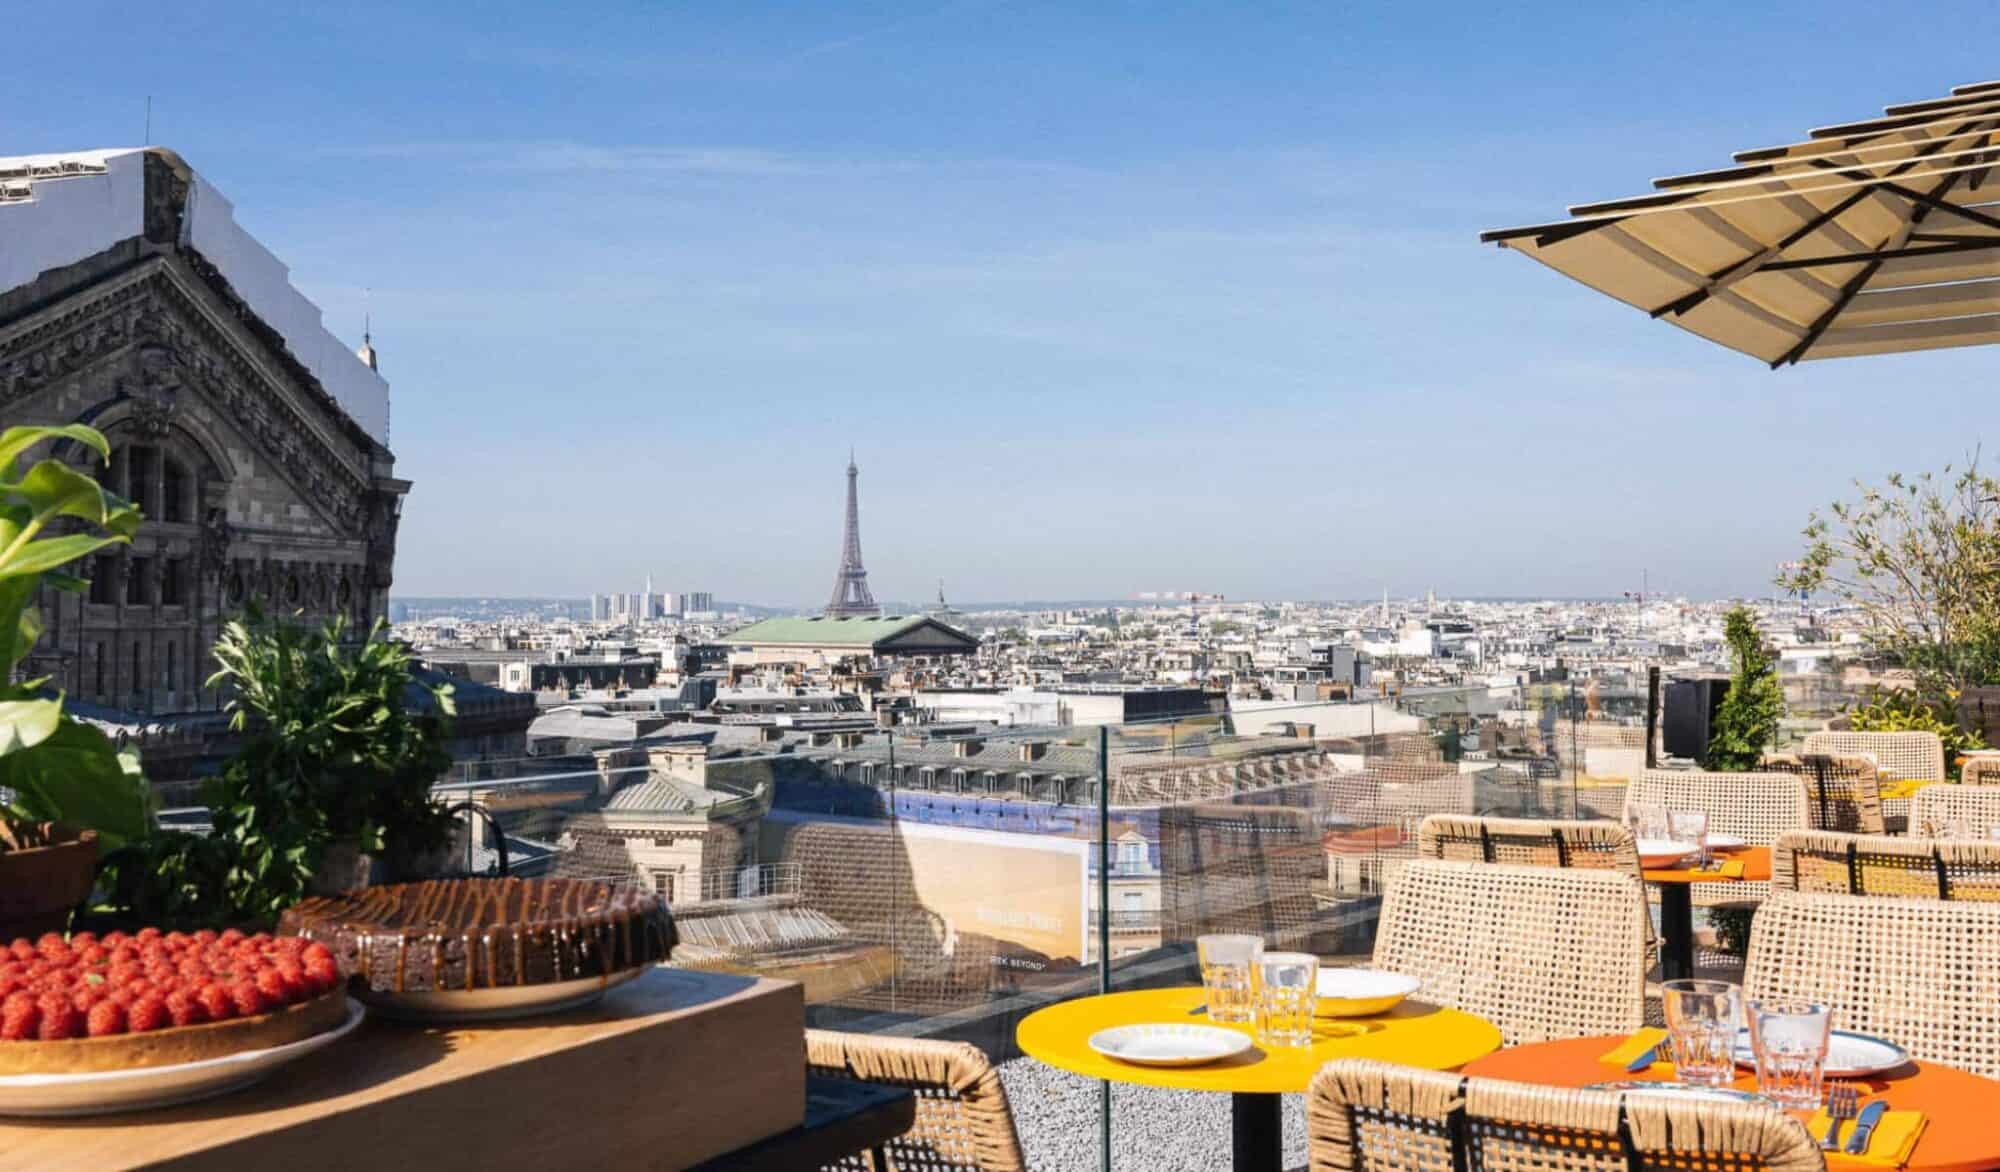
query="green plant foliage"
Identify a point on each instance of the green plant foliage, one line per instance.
(1732, 929)
(332, 752)
(1747, 721)
(1919, 557)
(59, 769)
(1899, 710)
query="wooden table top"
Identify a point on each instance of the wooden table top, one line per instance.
(549, 1091)
(1960, 1136)
(1413, 1034)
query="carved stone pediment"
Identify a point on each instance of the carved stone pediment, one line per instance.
(181, 352)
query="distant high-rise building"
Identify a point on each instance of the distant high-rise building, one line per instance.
(600, 608)
(851, 598)
(697, 602)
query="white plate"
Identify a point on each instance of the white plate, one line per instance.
(470, 1005)
(1679, 1090)
(1661, 852)
(1727, 842)
(103, 1092)
(1169, 1045)
(1362, 992)
(1848, 1055)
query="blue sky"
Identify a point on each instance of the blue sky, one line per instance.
(1108, 297)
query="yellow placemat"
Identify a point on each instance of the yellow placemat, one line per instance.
(1904, 788)
(1894, 1138)
(1628, 1051)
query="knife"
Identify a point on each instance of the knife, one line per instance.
(1644, 1060)
(1864, 1127)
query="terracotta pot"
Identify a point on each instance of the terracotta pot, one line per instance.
(46, 870)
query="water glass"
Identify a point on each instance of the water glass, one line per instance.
(1229, 975)
(1790, 1039)
(1689, 828)
(1288, 990)
(1701, 1030)
(1647, 822)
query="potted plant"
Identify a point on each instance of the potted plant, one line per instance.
(341, 744)
(67, 790)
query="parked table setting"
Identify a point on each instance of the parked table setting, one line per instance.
(1676, 884)
(1411, 1033)
(1957, 1132)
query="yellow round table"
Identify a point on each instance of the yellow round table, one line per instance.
(1413, 1034)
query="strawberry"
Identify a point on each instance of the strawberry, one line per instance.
(48, 940)
(147, 1013)
(20, 1018)
(60, 1020)
(105, 1017)
(23, 949)
(87, 996)
(83, 940)
(206, 937)
(216, 1000)
(93, 955)
(113, 938)
(322, 974)
(249, 1000)
(230, 937)
(146, 934)
(185, 1008)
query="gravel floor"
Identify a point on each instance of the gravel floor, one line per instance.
(1151, 1130)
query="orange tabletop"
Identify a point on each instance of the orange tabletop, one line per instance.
(1413, 1034)
(1756, 862)
(1960, 1137)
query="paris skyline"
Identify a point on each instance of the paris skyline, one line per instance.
(1203, 309)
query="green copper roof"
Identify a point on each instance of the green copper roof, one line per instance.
(836, 632)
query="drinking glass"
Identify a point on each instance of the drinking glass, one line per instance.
(1647, 822)
(1229, 975)
(1789, 1039)
(1288, 990)
(1689, 828)
(1701, 1029)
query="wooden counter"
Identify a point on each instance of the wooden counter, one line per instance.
(665, 1072)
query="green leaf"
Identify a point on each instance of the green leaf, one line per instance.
(27, 723)
(20, 626)
(54, 489)
(49, 553)
(16, 440)
(76, 775)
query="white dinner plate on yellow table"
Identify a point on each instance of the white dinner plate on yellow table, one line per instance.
(1169, 1045)
(1361, 992)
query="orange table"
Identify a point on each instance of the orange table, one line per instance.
(1677, 905)
(1960, 1137)
(1413, 1034)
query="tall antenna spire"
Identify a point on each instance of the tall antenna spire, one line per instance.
(367, 351)
(851, 598)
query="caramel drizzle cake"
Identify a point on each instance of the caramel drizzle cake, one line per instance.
(464, 934)
(84, 1003)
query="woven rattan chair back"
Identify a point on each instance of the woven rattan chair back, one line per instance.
(1825, 863)
(1842, 793)
(1906, 755)
(963, 1121)
(1756, 806)
(1983, 770)
(1367, 1116)
(1528, 842)
(1542, 952)
(1955, 811)
(1923, 973)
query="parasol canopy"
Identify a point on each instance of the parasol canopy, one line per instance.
(1870, 237)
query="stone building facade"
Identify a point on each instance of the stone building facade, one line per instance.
(255, 484)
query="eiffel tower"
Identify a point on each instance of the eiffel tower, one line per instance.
(851, 599)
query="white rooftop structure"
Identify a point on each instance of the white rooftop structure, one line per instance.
(58, 209)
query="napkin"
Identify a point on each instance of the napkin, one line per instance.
(1626, 1052)
(1904, 788)
(1728, 869)
(1896, 1135)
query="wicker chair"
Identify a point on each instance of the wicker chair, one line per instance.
(1383, 1118)
(1826, 863)
(1905, 755)
(1534, 842)
(1757, 807)
(1980, 771)
(1922, 973)
(963, 1121)
(1541, 952)
(1842, 793)
(1974, 810)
